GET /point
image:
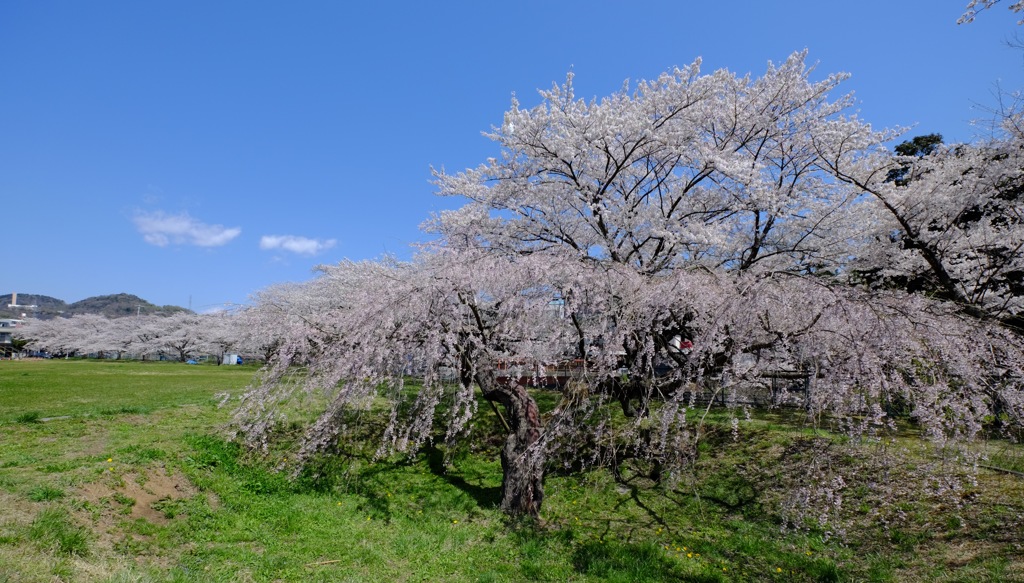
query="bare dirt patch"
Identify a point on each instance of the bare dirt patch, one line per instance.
(137, 494)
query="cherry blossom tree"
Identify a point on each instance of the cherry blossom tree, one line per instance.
(258, 332)
(222, 333)
(122, 334)
(364, 326)
(486, 321)
(182, 334)
(718, 170)
(668, 247)
(48, 335)
(951, 224)
(260, 328)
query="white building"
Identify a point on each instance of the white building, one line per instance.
(7, 327)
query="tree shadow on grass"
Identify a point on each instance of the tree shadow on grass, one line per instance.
(485, 496)
(619, 561)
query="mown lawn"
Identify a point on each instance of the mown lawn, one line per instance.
(54, 388)
(122, 472)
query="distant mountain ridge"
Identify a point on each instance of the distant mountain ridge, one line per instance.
(111, 306)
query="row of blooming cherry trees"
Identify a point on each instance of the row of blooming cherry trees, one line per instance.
(690, 237)
(181, 336)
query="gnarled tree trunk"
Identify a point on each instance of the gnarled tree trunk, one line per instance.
(522, 457)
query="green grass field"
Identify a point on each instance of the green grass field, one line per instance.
(120, 472)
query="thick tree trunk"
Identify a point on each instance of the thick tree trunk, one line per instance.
(522, 459)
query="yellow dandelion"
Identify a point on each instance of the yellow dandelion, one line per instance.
(778, 569)
(339, 503)
(110, 459)
(725, 568)
(808, 553)
(110, 469)
(690, 555)
(455, 522)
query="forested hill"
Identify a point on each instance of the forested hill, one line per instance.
(46, 307)
(112, 306)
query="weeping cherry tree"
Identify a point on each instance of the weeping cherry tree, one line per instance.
(670, 245)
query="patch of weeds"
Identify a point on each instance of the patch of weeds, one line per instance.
(883, 568)
(211, 452)
(141, 527)
(823, 571)
(953, 523)
(323, 474)
(124, 410)
(91, 508)
(19, 459)
(263, 482)
(129, 545)
(45, 493)
(62, 571)
(169, 507)
(116, 481)
(905, 539)
(29, 417)
(126, 502)
(54, 529)
(130, 575)
(10, 534)
(58, 467)
(1008, 457)
(136, 454)
(539, 553)
(728, 489)
(612, 561)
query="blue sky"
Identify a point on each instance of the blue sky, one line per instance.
(193, 153)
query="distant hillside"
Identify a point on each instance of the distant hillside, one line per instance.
(118, 305)
(111, 306)
(46, 307)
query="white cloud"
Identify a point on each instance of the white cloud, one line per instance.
(300, 245)
(161, 229)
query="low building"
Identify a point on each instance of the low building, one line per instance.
(7, 327)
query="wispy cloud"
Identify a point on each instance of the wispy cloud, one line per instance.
(300, 245)
(162, 229)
